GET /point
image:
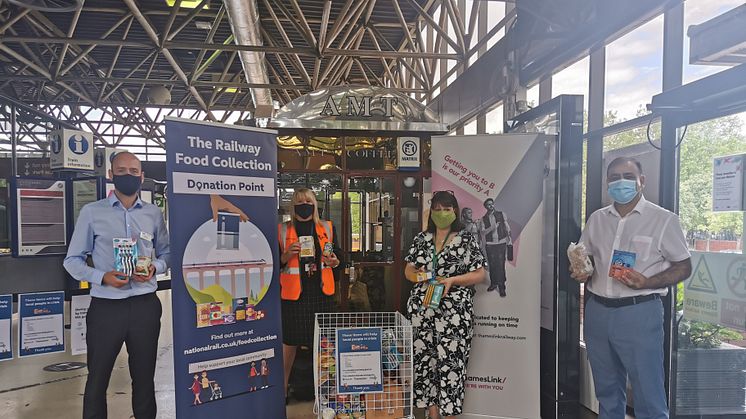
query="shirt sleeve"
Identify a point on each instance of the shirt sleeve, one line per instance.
(673, 245)
(162, 246)
(413, 250)
(81, 246)
(473, 257)
(585, 235)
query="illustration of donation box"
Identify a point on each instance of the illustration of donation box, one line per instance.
(71, 150)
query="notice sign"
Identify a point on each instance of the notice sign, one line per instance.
(40, 329)
(6, 312)
(727, 183)
(359, 361)
(78, 313)
(716, 291)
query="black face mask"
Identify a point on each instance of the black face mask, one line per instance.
(304, 210)
(128, 185)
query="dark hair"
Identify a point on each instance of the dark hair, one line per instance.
(624, 160)
(445, 199)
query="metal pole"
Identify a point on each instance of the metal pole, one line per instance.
(673, 58)
(13, 132)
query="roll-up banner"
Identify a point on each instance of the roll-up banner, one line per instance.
(498, 181)
(224, 270)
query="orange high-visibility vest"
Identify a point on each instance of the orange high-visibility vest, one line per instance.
(290, 287)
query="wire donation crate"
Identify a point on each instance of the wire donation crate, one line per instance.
(391, 398)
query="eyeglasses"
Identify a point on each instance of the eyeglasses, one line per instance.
(440, 193)
(444, 191)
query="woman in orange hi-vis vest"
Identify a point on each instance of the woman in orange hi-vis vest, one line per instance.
(307, 247)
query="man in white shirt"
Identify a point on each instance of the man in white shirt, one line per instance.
(623, 326)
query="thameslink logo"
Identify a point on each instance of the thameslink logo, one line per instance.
(488, 379)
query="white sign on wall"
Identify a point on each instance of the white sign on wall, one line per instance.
(78, 312)
(71, 150)
(408, 153)
(727, 183)
(716, 291)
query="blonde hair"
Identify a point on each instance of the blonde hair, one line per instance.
(305, 193)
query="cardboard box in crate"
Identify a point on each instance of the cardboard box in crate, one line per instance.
(386, 405)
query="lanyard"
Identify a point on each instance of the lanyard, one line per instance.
(435, 256)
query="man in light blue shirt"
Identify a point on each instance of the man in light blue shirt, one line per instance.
(124, 308)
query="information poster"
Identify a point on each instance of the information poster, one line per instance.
(224, 273)
(498, 181)
(78, 311)
(359, 364)
(716, 291)
(6, 322)
(84, 192)
(40, 217)
(41, 324)
(727, 183)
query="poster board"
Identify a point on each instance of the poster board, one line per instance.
(510, 171)
(41, 324)
(39, 217)
(225, 293)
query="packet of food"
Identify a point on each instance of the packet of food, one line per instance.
(306, 246)
(579, 260)
(328, 250)
(143, 266)
(423, 276)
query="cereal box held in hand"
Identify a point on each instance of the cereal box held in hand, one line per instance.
(621, 263)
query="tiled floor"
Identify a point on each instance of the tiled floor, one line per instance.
(29, 392)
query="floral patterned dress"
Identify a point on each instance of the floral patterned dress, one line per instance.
(442, 336)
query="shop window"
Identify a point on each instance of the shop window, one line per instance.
(532, 96)
(634, 70)
(370, 153)
(494, 120)
(471, 127)
(311, 153)
(695, 13)
(495, 13)
(4, 218)
(573, 80)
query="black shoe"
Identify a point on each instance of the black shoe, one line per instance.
(502, 292)
(492, 288)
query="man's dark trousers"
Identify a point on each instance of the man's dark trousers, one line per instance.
(135, 321)
(496, 260)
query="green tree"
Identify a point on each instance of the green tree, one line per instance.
(702, 143)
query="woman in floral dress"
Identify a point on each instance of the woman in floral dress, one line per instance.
(444, 254)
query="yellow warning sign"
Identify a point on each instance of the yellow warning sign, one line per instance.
(701, 279)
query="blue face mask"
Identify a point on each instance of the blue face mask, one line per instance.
(623, 191)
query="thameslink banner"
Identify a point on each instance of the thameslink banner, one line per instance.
(225, 287)
(499, 179)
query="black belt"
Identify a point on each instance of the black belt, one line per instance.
(625, 301)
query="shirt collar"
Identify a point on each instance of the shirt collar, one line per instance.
(114, 201)
(639, 208)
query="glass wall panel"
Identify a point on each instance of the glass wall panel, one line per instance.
(711, 305)
(633, 71)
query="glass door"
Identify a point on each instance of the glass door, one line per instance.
(370, 242)
(328, 188)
